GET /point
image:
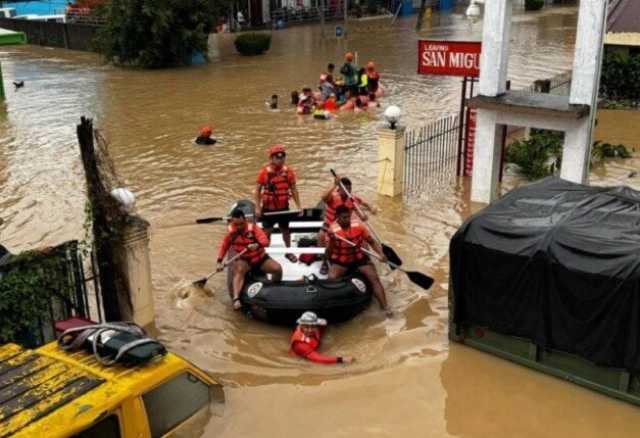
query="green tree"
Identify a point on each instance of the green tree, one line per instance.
(154, 33)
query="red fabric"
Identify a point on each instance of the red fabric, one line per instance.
(276, 186)
(334, 202)
(342, 252)
(241, 239)
(305, 346)
(331, 105)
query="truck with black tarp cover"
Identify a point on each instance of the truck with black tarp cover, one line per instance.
(549, 277)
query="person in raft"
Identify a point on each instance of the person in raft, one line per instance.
(276, 185)
(306, 339)
(334, 197)
(346, 239)
(243, 235)
(205, 136)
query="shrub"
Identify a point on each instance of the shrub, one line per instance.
(601, 150)
(154, 33)
(253, 43)
(620, 79)
(538, 156)
(533, 5)
(541, 154)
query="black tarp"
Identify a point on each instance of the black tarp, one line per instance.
(557, 263)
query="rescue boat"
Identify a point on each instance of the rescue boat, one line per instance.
(302, 287)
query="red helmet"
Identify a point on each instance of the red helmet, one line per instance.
(348, 56)
(276, 149)
(205, 131)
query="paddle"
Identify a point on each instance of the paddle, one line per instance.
(203, 281)
(208, 220)
(418, 278)
(389, 252)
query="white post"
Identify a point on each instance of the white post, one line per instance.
(486, 157)
(493, 79)
(391, 161)
(495, 47)
(133, 255)
(585, 83)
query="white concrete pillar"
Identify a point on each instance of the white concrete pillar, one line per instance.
(391, 161)
(133, 258)
(588, 49)
(585, 83)
(576, 152)
(486, 157)
(495, 47)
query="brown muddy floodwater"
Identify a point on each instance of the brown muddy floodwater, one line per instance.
(408, 379)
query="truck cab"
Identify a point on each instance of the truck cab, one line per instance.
(50, 392)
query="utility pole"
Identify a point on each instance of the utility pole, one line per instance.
(346, 7)
(322, 4)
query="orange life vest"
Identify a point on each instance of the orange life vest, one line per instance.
(334, 202)
(277, 191)
(342, 252)
(299, 336)
(240, 241)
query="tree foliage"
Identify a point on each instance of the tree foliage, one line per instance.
(154, 33)
(533, 5)
(620, 79)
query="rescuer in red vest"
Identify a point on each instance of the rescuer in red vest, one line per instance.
(333, 198)
(345, 257)
(276, 185)
(243, 235)
(306, 339)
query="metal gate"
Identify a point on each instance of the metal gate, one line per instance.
(431, 152)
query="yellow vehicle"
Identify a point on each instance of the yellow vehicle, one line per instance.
(50, 392)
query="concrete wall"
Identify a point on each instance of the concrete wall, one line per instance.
(67, 36)
(618, 127)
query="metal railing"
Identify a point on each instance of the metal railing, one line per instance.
(431, 151)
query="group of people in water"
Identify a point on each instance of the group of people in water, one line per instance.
(344, 234)
(354, 90)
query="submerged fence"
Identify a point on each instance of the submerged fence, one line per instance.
(431, 151)
(72, 36)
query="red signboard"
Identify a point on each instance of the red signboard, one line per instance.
(450, 58)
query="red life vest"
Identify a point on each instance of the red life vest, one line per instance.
(240, 241)
(342, 252)
(299, 336)
(334, 202)
(277, 191)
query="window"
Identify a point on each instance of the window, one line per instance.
(174, 401)
(106, 428)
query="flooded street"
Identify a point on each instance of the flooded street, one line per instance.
(408, 379)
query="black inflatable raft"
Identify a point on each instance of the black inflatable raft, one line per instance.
(302, 288)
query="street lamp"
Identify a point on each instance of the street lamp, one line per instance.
(473, 11)
(392, 115)
(125, 198)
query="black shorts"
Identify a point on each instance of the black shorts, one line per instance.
(255, 268)
(269, 222)
(354, 265)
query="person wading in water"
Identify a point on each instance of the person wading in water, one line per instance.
(276, 185)
(249, 237)
(306, 339)
(345, 253)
